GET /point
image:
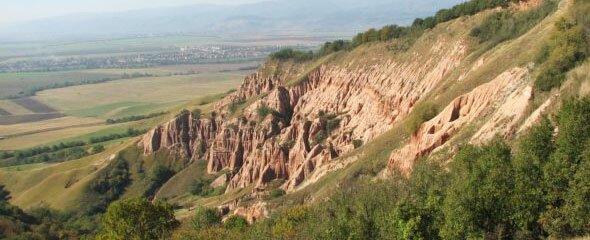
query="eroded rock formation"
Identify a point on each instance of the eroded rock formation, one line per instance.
(311, 122)
(506, 90)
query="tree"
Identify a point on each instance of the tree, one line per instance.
(138, 219)
(96, 149)
(204, 218)
(561, 171)
(577, 206)
(478, 200)
(534, 150)
(236, 222)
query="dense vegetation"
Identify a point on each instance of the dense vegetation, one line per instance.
(41, 222)
(134, 118)
(288, 53)
(407, 34)
(507, 25)
(569, 46)
(159, 175)
(538, 189)
(108, 186)
(138, 219)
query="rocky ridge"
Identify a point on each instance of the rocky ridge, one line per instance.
(310, 123)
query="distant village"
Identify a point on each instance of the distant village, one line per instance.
(177, 55)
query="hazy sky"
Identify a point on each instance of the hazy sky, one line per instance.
(22, 10)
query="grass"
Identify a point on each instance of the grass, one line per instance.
(60, 185)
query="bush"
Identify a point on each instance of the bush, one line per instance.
(276, 193)
(507, 25)
(96, 149)
(263, 111)
(108, 186)
(138, 218)
(421, 113)
(159, 175)
(567, 49)
(205, 218)
(235, 222)
(201, 187)
(357, 143)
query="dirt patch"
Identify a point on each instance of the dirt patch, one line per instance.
(34, 105)
(4, 112)
(8, 120)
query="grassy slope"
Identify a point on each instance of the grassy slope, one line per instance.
(60, 186)
(45, 183)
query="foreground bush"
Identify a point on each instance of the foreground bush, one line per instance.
(138, 218)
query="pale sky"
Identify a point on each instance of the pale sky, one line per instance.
(23, 10)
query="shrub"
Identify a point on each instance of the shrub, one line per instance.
(235, 222)
(97, 149)
(108, 186)
(159, 175)
(200, 188)
(205, 218)
(138, 218)
(567, 49)
(276, 193)
(357, 143)
(263, 111)
(507, 25)
(421, 113)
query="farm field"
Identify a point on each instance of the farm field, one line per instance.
(41, 107)
(88, 106)
(137, 96)
(18, 83)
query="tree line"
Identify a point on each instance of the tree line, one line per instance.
(408, 33)
(63, 151)
(134, 118)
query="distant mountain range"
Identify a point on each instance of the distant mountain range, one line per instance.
(268, 16)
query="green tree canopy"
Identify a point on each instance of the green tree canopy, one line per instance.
(138, 219)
